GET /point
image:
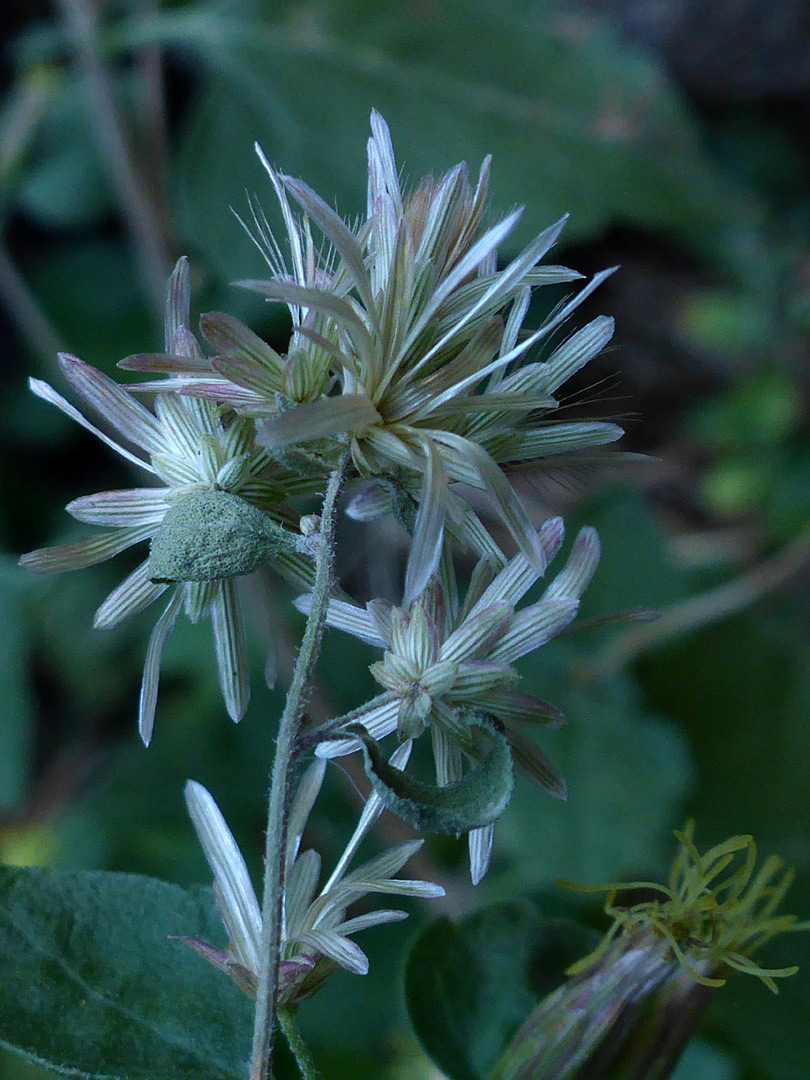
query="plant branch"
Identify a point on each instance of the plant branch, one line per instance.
(141, 221)
(286, 752)
(154, 119)
(706, 608)
(28, 315)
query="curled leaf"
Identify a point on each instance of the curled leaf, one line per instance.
(470, 803)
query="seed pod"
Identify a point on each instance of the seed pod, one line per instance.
(211, 535)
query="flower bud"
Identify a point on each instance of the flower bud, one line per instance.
(628, 1017)
(628, 1009)
(211, 535)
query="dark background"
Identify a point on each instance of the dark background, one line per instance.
(675, 133)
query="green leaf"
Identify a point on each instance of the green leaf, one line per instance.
(627, 770)
(471, 984)
(90, 290)
(635, 568)
(65, 183)
(476, 800)
(702, 1060)
(94, 987)
(576, 121)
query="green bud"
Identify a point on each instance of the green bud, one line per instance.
(629, 1017)
(212, 535)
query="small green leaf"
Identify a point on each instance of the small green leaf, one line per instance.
(63, 184)
(476, 800)
(627, 770)
(93, 985)
(470, 985)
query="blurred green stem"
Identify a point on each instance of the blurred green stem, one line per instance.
(143, 225)
(33, 325)
(283, 763)
(303, 1058)
(153, 119)
(705, 608)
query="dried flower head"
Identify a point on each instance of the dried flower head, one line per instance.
(446, 663)
(423, 335)
(716, 911)
(316, 934)
(219, 513)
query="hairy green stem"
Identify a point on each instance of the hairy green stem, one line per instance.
(303, 1058)
(336, 728)
(286, 752)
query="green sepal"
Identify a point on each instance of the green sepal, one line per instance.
(212, 535)
(476, 800)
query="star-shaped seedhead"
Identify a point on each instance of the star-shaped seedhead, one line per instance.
(416, 337)
(218, 510)
(446, 663)
(317, 934)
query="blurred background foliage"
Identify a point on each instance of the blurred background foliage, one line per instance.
(677, 141)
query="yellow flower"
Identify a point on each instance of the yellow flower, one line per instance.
(715, 912)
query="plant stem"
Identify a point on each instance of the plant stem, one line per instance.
(80, 20)
(286, 751)
(303, 1058)
(706, 608)
(25, 310)
(154, 120)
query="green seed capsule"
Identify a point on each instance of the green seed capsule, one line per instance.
(211, 535)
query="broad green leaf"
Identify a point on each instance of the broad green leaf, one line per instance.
(477, 799)
(93, 985)
(627, 771)
(470, 984)
(64, 183)
(635, 568)
(576, 121)
(13, 1067)
(90, 291)
(703, 1060)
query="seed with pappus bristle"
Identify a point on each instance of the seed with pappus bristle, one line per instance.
(212, 535)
